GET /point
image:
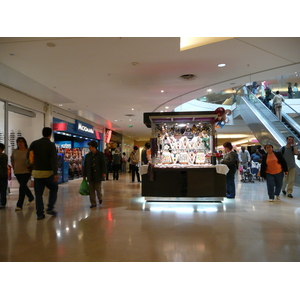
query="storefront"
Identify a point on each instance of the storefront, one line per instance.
(71, 141)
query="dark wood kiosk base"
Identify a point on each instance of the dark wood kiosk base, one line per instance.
(184, 182)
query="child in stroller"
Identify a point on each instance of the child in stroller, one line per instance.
(256, 170)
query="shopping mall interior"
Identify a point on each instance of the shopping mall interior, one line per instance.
(110, 83)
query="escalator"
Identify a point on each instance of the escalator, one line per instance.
(265, 126)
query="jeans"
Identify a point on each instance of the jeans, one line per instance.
(39, 186)
(3, 190)
(274, 184)
(23, 189)
(230, 185)
(135, 170)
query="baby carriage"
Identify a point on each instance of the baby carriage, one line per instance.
(246, 174)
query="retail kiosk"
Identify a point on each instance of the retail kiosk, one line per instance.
(183, 157)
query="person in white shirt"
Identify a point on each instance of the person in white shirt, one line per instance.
(277, 104)
(244, 157)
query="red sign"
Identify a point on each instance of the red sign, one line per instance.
(59, 126)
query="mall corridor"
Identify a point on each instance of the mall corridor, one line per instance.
(127, 229)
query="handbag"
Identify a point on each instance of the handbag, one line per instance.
(84, 188)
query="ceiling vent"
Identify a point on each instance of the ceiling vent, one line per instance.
(129, 115)
(188, 77)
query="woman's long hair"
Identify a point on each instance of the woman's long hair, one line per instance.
(25, 143)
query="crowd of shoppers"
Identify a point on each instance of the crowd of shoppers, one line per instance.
(40, 161)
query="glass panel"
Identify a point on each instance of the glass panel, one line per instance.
(2, 122)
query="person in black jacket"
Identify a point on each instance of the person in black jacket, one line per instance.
(43, 156)
(3, 176)
(273, 168)
(230, 160)
(95, 168)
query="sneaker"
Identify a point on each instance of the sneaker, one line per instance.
(51, 212)
(284, 192)
(100, 201)
(41, 217)
(18, 208)
(93, 206)
(277, 198)
(271, 200)
(290, 196)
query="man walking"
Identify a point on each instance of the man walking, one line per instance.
(43, 156)
(95, 168)
(277, 104)
(244, 157)
(289, 151)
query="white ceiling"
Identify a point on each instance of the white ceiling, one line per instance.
(96, 78)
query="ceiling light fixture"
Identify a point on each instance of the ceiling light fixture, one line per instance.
(221, 65)
(162, 91)
(50, 44)
(209, 90)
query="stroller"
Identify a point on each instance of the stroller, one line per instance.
(246, 174)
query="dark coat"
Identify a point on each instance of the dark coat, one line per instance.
(3, 165)
(45, 155)
(230, 160)
(94, 172)
(281, 161)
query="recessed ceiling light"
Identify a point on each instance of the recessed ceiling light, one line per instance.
(166, 107)
(50, 44)
(162, 91)
(209, 90)
(221, 65)
(132, 109)
(60, 104)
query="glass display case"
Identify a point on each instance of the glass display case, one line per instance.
(183, 158)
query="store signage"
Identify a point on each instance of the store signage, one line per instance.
(64, 145)
(84, 128)
(59, 126)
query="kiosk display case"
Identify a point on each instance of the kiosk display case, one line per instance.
(183, 156)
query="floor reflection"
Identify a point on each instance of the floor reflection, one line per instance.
(128, 227)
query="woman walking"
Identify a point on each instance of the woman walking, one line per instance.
(273, 168)
(19, 164)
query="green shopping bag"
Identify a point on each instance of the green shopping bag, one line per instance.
(84, 188)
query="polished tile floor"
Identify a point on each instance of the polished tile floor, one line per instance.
(126, 228)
